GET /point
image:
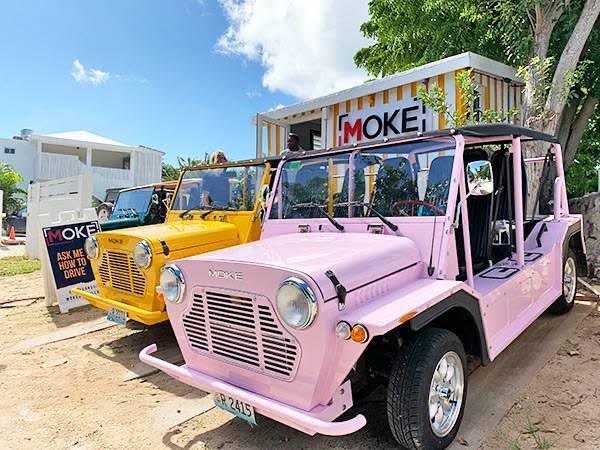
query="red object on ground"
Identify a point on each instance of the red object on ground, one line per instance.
(11, 235)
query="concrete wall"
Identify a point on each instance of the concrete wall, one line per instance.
(589, 206)
(147, 167)
(23, 160)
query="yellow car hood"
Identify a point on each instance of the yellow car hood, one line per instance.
(175, 235)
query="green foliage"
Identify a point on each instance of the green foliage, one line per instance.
(17, 265)
(169, 172)
(411, 33)
(435, 99)
(192, 162)
(541, 70)
(582, 175)
(9, 184)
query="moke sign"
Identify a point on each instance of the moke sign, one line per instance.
(383, 121)
(68, 260)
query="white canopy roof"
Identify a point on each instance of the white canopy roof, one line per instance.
(464, 60)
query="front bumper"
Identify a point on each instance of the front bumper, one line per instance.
(318, 420)
(133, 312)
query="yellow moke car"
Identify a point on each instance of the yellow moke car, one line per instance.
(214, 206)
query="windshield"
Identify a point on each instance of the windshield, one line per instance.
(410, 179)
(132, 203)
(227, 188)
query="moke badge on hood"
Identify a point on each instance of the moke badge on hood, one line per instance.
(225, 275)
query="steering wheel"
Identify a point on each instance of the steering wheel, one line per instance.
(396, 206)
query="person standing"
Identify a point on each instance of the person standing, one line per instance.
(293, 143)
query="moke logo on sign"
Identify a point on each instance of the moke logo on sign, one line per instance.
(68, 260)
(383, 121)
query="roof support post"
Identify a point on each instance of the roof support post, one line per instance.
(38, 162)
(564, 203)
(259, 136)
(518, 200)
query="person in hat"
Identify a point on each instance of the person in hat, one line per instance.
(293, 143)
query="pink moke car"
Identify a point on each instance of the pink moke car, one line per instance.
(387, 263)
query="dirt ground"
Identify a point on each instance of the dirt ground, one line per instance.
(71, 393)
(562, 407)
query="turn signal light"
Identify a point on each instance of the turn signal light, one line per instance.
(407, 317)
(359, 334)
(343, 330)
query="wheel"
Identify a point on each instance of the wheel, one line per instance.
(104, 211)
(427, 390)
(566, 301)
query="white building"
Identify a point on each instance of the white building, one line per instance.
(389, 106)
(112, 164)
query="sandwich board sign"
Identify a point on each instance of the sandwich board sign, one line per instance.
(67, 264)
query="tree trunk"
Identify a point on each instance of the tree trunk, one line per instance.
(577, 129)
(542, 26)
(558, 94)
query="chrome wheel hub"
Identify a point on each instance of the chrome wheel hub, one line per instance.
(569, 280)
(446, 394)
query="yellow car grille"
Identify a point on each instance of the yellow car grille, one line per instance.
(118, 271)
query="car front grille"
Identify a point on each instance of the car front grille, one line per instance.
(118, 271)
(241, 329)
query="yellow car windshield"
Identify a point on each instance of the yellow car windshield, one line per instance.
(227, 188)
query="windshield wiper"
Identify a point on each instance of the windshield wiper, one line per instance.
(334, 222)
(207, 210)
(392, 226)
(210, 209)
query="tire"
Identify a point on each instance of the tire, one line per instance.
(411, 390)
(566, 301)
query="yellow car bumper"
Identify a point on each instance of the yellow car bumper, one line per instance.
(133, 312)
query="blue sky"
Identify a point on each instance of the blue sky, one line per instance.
(162, 78)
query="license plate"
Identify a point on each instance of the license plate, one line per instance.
(236, 407)
(117, 315)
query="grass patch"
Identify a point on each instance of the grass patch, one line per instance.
(17, 265)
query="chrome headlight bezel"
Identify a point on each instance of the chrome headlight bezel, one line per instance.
(91, 248)
(145, 251)
(304, 290)
(173, 271)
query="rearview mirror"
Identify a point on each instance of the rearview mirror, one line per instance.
(155, 199)
(480, 178)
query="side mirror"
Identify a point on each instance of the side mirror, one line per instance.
(480, 178)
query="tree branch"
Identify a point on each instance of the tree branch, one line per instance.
(569, 58)
(578, 128)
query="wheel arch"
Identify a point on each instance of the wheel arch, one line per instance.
(459, 313)
(574, 241)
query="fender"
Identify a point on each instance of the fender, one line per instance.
(461, 300)
(572, 231)
(425, 300)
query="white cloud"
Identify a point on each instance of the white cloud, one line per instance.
(88, 76)
(253, 93)
(305, 46)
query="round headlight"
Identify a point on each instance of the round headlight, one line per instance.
(296, 303)
(172, 283)
(91, 247)
(142, 254)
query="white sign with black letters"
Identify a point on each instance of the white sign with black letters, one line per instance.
(388, 120)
